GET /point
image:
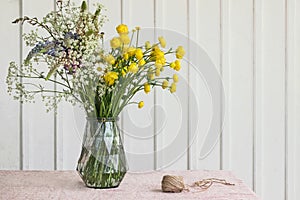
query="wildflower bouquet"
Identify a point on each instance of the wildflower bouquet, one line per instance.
(69, 43)
(67, 48)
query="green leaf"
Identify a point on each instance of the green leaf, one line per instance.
(90, 32)
(52, 70)
(83, 6)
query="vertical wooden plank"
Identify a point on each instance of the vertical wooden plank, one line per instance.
(241, 92)
(258, 75)
(226, 77)
(293, 62)
(138, 124)
(172, 143)
(296, 59)
(271, 99)
(204, 24)
(290, 101)
(38, 125)
(9, 118)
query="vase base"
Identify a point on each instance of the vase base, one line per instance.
(102, 188)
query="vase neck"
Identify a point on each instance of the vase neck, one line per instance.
(103, 119)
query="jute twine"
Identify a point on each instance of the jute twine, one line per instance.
(176, 184)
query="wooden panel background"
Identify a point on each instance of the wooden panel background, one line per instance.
(253, 46)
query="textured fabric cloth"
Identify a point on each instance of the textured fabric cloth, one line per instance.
(143, 185)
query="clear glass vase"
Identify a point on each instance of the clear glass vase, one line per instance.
(102, 162)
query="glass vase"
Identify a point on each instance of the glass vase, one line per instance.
(102, 162)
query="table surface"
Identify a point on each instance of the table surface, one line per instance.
(143, 185)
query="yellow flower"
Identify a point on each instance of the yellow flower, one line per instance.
(147, 88)
(175, 78)
(133, 68)
(110, 78)
(158, 65)
(142, 62)
(125, 56)
(115, 42)
(157, 72)
(125, 39)
(125, 49)
(162, 42)
(173, 88)
(165, 84)
(180, 52)
(160, 62)
(147, 45)
(141, 104)
(122, 29)
(139, 54)
(177, 65)
(172, 65)
(151, 76)
(159, 54)
(131, 51)
(110, 59)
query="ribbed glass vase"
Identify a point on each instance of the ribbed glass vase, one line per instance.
(102, 162)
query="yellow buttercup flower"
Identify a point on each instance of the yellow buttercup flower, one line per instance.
(162, 42)
(141, 104)
(180, 52)
(147, 45)
(142, 62)
(151, 76)
(133, 68)
(110, 59)
(131, 51)
(160, 62)
(147, 88)
(165, 84)
(125, 56)
(122, 29)
(159, 54)
(125, 39)
(110, 78)
(157, 72)
(177, 65)
(175, 78)
(115, 42)
(173, 88)
(139, 54)
(172, 65)
(158, 65)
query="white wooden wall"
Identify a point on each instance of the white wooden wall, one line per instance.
(255, 48)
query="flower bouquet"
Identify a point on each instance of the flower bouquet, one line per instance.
(67, 49)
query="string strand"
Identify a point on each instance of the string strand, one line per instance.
(176, 184)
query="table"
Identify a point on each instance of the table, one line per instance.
(143, 185)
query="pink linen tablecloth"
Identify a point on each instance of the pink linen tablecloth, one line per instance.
(145, 185)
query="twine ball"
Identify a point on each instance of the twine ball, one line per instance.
(172, 184)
